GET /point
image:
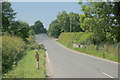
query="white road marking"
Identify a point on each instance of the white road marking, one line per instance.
(50, 72)
(47, 56)
(107, 75)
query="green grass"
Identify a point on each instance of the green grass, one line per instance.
(91, 50)
(26, 67)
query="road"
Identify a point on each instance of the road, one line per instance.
(65, 63)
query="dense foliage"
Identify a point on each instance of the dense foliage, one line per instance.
(12, 50)
(9, 25)
(101, 19)
(79, 37)
(20, 29)
(54, 29)
(63, 23)
(8, 15)
(38, 27)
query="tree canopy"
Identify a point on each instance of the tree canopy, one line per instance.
(20, 29)
(38, 27)
(8, 15)
(102, 19)
(63, 22)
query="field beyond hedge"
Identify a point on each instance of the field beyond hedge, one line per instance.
(106, 51)
(26, 67)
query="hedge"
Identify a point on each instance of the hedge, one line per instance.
(79, 38)
(12, 50)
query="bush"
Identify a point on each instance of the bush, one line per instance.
(79, 38)
(12, 50)
(85, 38)
(31, 42)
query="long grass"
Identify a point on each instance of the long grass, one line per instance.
(108, 52)
(26, 67)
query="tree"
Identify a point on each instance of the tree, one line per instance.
(116, 12)
(64, 21)
(62, 24)
(38, 27)
(20, 29)
(75, 22)
(102, 18)
(54, 29)
(8, 16)
(86, 23)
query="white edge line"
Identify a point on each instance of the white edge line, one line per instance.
(49, 63)
(85, 53)
(107, 75)
(47, 57)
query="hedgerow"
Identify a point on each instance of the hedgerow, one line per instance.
(79, 38)
(13, 49)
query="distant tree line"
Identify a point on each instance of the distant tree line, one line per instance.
(100, 18)
(18, 28)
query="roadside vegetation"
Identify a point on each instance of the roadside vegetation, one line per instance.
(19, 46)
(97, 29)
(13, 48)
(105, 51)
(26, 67)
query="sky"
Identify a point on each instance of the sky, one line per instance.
(42, 0)
(46, 12)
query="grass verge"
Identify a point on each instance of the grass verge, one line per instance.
(91, 51)
(26, 67)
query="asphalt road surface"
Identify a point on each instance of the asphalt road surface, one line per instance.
(65, 63)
